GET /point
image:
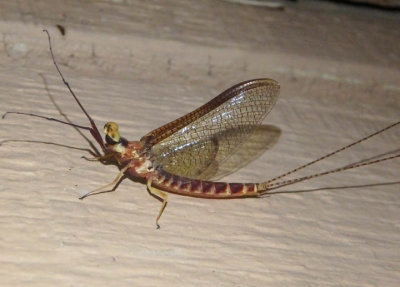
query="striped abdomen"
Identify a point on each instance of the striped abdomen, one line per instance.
(199, 188)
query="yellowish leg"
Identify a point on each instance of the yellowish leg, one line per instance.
(108, 186)
(159, 194)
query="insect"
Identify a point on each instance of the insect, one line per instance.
(177, 156)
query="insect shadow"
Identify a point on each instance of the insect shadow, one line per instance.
(263, 138)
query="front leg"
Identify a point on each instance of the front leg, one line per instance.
(160, 195)
(107, 187)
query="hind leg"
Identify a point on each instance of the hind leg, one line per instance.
(160, 195)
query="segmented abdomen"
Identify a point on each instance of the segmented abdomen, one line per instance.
(199, 188)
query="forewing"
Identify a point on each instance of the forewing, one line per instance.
(205, 141)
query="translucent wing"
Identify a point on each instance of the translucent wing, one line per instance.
(200, 141)
(190, 160)
(263, 138)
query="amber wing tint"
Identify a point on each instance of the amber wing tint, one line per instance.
(200, 141)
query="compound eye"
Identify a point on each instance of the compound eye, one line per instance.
(112, 134)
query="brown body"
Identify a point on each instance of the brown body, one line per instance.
(141, 165)
(201, 188)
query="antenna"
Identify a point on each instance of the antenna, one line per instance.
(94, 131)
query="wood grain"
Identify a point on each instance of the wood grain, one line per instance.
(143, 64)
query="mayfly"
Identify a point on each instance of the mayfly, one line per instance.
(174, 157)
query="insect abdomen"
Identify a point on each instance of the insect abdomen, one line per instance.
(199, 188)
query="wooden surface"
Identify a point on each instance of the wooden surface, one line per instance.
(142, 64)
